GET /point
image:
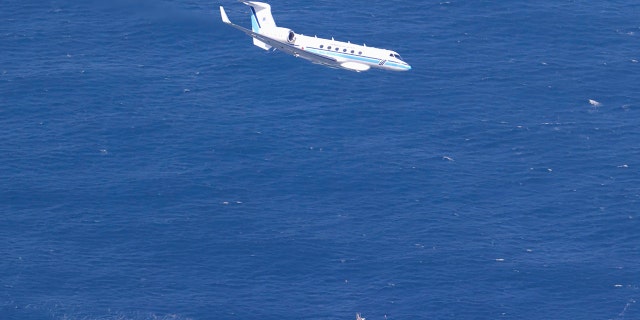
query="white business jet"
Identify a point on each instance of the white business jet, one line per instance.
(332, 53)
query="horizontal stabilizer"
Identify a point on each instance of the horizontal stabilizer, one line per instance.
(261, 44)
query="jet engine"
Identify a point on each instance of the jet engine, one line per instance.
(283, 34)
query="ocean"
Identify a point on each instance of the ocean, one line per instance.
(154, 164)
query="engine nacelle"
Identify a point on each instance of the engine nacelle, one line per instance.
(283, 34)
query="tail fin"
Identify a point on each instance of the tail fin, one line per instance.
(261, 19)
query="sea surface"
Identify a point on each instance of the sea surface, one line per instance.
(154, 164)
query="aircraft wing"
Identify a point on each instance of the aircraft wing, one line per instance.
(297, 52)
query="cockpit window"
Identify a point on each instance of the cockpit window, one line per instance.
(395, 55)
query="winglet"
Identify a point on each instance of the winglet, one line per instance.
(225, 19)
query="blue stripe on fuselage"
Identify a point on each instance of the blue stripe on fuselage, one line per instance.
(344, 55)
(354, 57)
(397, 65)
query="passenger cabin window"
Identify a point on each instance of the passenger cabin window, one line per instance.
(321, 46)
(360, 52)
(344, 50)
(329, 47)
(337, 49)
(352, 51)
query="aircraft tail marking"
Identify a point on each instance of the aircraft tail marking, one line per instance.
(261, 20)
(256, 42)
(261, 17)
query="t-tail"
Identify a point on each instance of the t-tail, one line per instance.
(261, 21)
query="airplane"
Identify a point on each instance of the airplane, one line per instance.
(331, 53)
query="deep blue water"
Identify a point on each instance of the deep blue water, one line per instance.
(154, 164)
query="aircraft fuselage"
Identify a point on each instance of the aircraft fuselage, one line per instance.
(346, 52)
